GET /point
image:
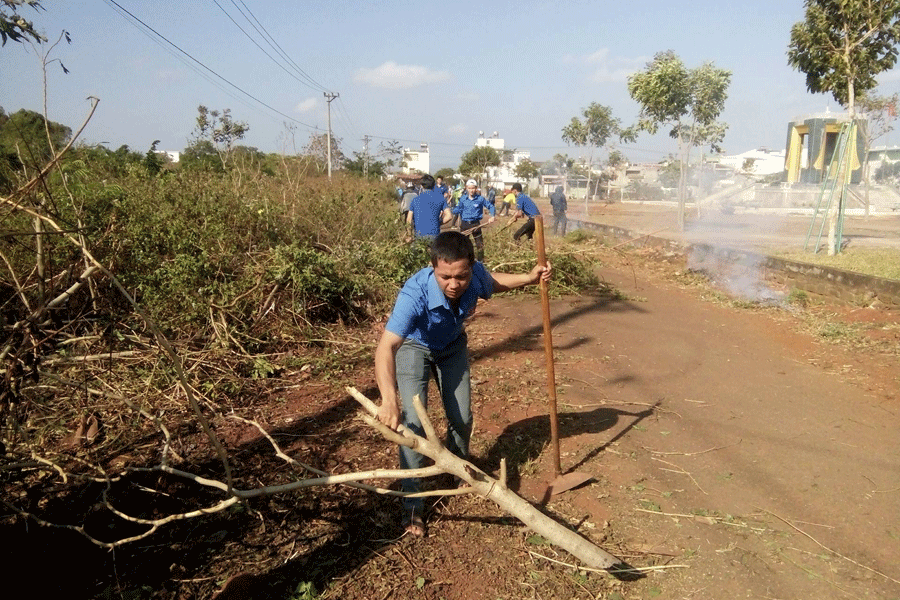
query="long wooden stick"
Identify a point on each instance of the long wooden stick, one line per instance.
(548, 346)
(494, 490)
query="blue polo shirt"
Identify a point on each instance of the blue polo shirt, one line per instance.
(423, 313)
(426, 209)
(443, 189)
(527, 206)
(472, 209)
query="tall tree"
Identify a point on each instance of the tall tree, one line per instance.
(593, 132)
(527, 169)
(475, 162)
(15, 27)
(687, 100)
(317, 149)
(842, 45)
(220, 130)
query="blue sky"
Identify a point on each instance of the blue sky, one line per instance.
(435, 72)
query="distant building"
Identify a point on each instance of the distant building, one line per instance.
(503, 176)
(416, 161)
(760, 161)
(812, 141)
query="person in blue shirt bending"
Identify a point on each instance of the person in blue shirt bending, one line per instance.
(525, 207)
(426, 335)
(428, 210)
(471, 209)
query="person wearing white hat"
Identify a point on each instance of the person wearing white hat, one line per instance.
(471, 209)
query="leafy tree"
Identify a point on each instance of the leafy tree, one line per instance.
(842, 45)
(220, 131)
(15, 27)
(527, 169)
(392, 153)
(361, 164)
(687, 100)
(448, 174)
(880, 113)
(560, 164)
(475, 162)
(317, 150)
(202, 156)
(594, 131)
(152, 160)
(27, 142)
(615, 162)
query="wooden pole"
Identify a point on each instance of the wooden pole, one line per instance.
(548, 346)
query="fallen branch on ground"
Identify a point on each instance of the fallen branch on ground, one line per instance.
(488, 487)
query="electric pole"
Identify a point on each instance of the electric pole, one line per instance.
(366, 156)
(329, 96)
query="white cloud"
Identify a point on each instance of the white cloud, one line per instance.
(599, 56)
(307, 105)
(606, 68)
(468, 96)
(457, 128)
(392, 76)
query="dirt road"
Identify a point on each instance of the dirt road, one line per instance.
(763, 459)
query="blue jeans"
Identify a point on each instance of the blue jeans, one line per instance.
(414, 366)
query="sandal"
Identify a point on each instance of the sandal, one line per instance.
(413, 522)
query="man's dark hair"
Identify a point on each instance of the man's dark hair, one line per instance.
(451, 246)
(427, 181)
(517, 187)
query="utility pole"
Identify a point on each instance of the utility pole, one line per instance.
(329, 96)
(366, 139)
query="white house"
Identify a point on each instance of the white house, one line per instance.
(416, 161)
(760, 161)
(505, 175)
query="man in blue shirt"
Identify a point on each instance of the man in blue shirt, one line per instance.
(427, 210)
(441, 186)
(425, 334)
(471, 208)
(525, 207)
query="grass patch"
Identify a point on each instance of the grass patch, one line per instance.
(880, 262)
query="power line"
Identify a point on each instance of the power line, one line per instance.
(248, 94)
(275, 44)
(308, 82)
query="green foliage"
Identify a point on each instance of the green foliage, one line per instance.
(689, 101)
(215, 135)
(475, 162)
(447, 173)
(527, 169)
(596, 128)
(27, 143)
(13, 26)
(305, 590)
(321, 290)
(843, 45)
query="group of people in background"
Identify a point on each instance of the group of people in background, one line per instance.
(433, 204)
